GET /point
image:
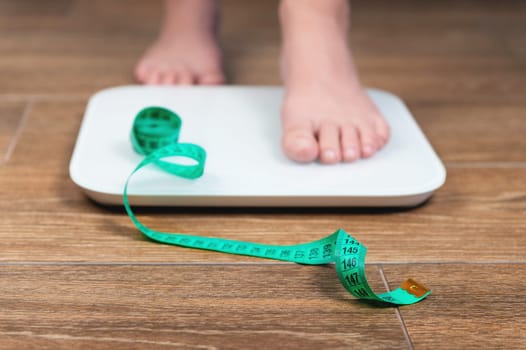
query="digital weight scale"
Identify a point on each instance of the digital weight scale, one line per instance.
(239, 127)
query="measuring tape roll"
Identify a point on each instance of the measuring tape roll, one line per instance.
(155, 133)
(157, 129)
(154, 128)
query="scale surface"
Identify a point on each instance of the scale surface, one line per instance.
(239, 127)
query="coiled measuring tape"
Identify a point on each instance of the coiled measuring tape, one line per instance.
(155, 134)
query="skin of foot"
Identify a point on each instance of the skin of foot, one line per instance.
(186, 51)
(326, 113)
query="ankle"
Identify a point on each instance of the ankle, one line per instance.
(188, 35)
(195, 17)
(310, 32)
(306, 11)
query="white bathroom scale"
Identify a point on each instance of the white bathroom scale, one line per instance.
(239, 127)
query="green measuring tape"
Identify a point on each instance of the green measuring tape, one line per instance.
(155, 134)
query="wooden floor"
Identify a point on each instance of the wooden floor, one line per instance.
(76, 275)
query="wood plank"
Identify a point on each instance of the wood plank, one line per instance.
(465, 133)
(96, 46)
(34, 8)
(472, 306)
(446, 9)
(189, 307)
(41, 208)
(453, 56)
(481, 132)
(77, 275)
(446, 80)
(10, 115)
(448, 52)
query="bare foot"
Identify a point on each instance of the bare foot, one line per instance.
(326, 113)
(186, 51)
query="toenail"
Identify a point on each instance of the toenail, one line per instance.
(350, 154)
(329, 155)
(368, 150)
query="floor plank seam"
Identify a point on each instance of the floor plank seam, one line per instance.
(397, 311)
(18, 131)
(160, 264)
(222, 263)
(71, 338)
(452, 262)
(505, 165)
(44, 97)
(65, 96)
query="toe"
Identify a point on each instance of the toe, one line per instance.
(329, 141)
(350, 142)
(368, 140)
(382, 129)
(168, 78)
(299, 143)
(142, 73)
(186, 78)
(154, 78)
(212, 78)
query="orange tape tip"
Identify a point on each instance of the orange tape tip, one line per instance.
(413, 287)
